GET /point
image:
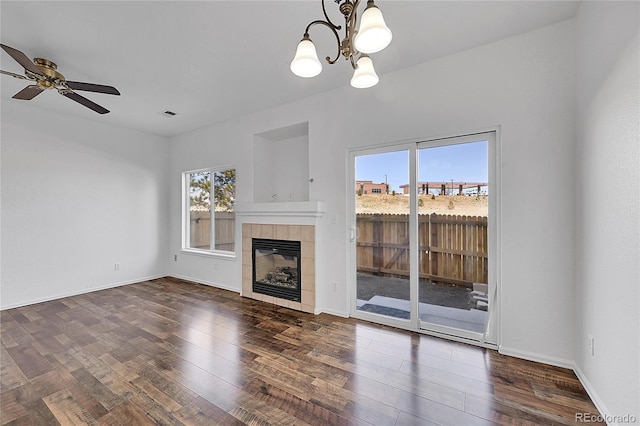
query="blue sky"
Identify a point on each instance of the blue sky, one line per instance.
(462, 163)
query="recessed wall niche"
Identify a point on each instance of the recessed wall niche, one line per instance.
(281, 164)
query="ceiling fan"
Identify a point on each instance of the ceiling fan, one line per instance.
(45, 75)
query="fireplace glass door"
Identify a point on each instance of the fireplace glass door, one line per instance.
(276, 268)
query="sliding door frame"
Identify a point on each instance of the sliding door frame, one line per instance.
(492, 336)
(407, 324)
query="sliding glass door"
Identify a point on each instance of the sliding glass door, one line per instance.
(453, 200)
(382, 233)
(423, 236)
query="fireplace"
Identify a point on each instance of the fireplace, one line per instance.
(306, 235)
(276, 268)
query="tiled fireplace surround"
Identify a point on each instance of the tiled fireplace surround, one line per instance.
(289, 221)
(303, 233)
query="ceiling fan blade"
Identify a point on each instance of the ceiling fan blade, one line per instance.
(86, 102)
(22, 59)
(13, 74)
(90, 87)
(28, 93)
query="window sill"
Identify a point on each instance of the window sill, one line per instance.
(217, 255)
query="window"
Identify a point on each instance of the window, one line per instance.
(208, 214)
(376, 191)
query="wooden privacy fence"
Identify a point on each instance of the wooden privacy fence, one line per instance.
(453, 249)
(225, 223)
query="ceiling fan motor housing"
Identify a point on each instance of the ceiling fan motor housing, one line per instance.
(48, 68)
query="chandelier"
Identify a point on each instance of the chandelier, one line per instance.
(372, 36)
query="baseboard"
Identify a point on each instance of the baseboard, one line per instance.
(536, 357)
(331, 312)
(597, 401)
(76, 293)
(205, 282)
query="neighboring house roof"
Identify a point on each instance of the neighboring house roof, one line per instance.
(456, 184)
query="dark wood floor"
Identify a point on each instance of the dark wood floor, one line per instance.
(174, 353)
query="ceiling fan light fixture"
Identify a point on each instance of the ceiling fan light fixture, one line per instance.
(305, 63)
(373, 35)
(364, 75)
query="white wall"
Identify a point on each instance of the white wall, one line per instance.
(608, 205)
(228, 146)
(77, 197)
(525, 85)
(281, 169)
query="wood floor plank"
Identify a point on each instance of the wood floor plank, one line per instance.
(414, 404)
(46, 343)
(302, 409)
(509, 412)
(404, 385)
(118, 367)
(98, 390)
(152, 382)
(410, 352)
(67, 410)
(362, 407)
(455, 381)
(13, 403)
(126, 414)
(250, 410)
(201, 412)
(87, 400)
(154, 410)
(10, 374)
(31, 362)
(37, 414)
(171, 352)
(405, 419)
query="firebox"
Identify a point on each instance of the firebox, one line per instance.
(276, 268)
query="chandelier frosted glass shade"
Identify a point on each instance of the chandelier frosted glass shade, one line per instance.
(373, 35)
(305, 63)
(364, 75)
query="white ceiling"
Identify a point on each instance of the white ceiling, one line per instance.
(211, 61)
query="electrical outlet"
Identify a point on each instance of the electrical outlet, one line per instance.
(334, 286)
(175, 257)
(590, 345)
(116, 266)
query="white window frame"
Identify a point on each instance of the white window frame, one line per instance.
(186, 216)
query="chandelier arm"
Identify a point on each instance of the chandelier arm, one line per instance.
(324, 10)
(352, 31)
(335, 33)
(353, 61)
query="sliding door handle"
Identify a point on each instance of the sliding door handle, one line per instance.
(353, 233)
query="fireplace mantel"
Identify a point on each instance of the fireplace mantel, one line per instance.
(284, 208)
